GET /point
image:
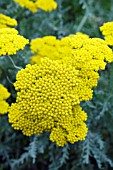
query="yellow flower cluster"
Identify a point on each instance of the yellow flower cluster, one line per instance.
(4, 94)
(52, 48)
(10, 41)
(47, 5)
(50, 91)
(34, 5)
(47, 101)
(6, 21)
(107, 31)
(85, 54)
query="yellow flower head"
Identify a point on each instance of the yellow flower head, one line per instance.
(10, 41)
(87, 55)
(4, 94)
(77, 48)
(107, 31)
(46, 5)
(6, 21)
(52, 48)
(34, 5)
(47, 101)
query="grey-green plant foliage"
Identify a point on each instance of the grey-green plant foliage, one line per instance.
(18, 152)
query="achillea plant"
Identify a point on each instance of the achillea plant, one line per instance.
(53, 99)
(46, 101)
(10, 41)
(34, 5)
(87, 55)
(42, 47)
(47, 5)
(107, 31)
(6, 21)
(4, 94)
(49, 93)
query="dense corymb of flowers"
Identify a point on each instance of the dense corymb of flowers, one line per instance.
(76, 48)
(47, 5)
(107, 31)
(4, 94)
(50, 92)
(34, 5)
(10, 41)
(51, 47)
(47, 101)
(6, 21)
(85, 54)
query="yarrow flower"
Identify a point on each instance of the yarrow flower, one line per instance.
(4, 94)
(107, 31)
(34, 5)
(6, 21)
(47, 101)
(50, 91)
(85, 54)
(47, 5)
(42, 47)
(10, 41)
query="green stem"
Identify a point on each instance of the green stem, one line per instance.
(18, 68)
(82, 22)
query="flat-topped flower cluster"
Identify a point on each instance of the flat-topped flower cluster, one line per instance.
(50, 91)
(107, 31)
(11, 42)
(61, 75)
(46, 101)
(6, 21)
(34, 5)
